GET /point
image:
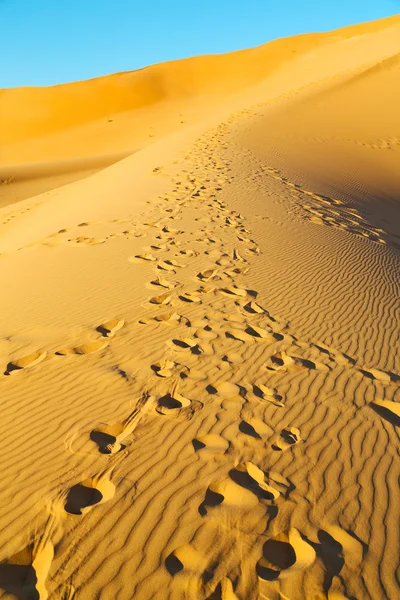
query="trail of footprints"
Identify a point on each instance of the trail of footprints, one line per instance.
(207, 322)
(320, 209)
(323, 210)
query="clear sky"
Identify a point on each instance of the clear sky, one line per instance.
(45, 42)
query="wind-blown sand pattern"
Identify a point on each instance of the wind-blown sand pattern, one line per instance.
(201, 377)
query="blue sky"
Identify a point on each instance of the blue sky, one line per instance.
(45, 42)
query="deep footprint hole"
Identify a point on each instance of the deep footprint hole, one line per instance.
(173, 564)
(169, 401)
(197, 445)
(248, 429)
(80, 497)
(211, 389)
(279, 553)
(104, 441)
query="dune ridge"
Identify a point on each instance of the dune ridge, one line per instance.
(201, 378)
(121, 113)
(67, 105)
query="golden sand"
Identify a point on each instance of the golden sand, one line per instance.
(200, 343)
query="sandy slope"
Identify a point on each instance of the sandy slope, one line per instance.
(201, 380)
(68, 131)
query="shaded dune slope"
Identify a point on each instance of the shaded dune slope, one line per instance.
(343, 141)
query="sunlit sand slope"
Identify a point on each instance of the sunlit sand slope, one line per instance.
(100, 119)
(200, 377)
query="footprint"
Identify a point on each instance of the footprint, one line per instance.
(206, 334)
(185, 345)
(161, 299)
(190, 297)
(24, 574)
(110, 437)
(92, 491)
(289, 436)
(159, 247)
(339, 358)
(350, 549)
(376, 374)
(224, 262)
(171, 403)
(282, 361)
(89, 348)
(237, 256)
(169, 265)
(255, 479)
(165, 368)
(233, 291)
(227, 493)
(255, 428)
(387, 409)
(210, 445)
(168, 318)
(262, 392)
(236, 271)
(186, 559)
(87, 241)
(160, 282)
(25, 362)
(240, 336)
(142, 258)
(244, 240)
(108, 328)
(223, 591)
(209, 275)
(196, 374)
(255, 250)
(170, 230)
(226, 389)
(314, 365)
(206, 289)
(254, 308)
(233, 358)
(285, 555)
(260, 333)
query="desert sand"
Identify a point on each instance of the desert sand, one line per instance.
(200, 388)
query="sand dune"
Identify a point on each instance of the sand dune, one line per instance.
(102, 119)
(21, 181)
(351, 129)
(201, 377)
